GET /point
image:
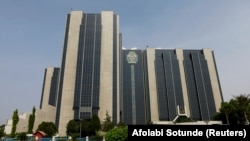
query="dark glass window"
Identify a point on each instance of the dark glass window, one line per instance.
(169, 87)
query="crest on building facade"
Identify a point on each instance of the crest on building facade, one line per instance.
(132, 57)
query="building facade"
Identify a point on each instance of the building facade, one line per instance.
(47, 110)
(182, 82)
(89, 79)
(158, 85)
(134, 96)
(133, 86)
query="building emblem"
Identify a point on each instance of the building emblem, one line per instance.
(132, 57)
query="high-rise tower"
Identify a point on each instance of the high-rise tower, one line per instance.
(134, 86)
(89, 78)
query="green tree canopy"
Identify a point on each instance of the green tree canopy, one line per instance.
(15, 120)
(236, 111)
(31, 121)
(22, 136)
(117, 134)
(226, 109)
(243, 103)
(48, 127)
(84, 127)
(2, 131)
(95, 124)
(108, 124)
(73, 129)
(85, 130)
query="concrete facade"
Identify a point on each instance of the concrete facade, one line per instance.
(22, 125)
(74, 86)
(153, 94)
(180, 58)
(66, 101)
(214, 78)
(152, 87)
(8, 126)
(106, 70)
(69, 74)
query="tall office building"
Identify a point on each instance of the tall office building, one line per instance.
(89, 78)
(133, 86)
(182, 82)
(159, 85)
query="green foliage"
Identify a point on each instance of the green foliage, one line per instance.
(73, 129)
(95, 124)
(121, 124)
(108, 124)
(88, 127)
(2, 134)
(96, 137)
(15, 120)
(31, 121)
(183, 119)
(225, 109)
(85, 130)
(236, 111)
(243, 104)
(22, 136)
(48, 127)
(117, 134)
(149, 122)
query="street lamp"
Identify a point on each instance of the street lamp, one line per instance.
(80, 128)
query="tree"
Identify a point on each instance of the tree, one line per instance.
(108, 124)
(243, 103)
(73, 129)
(121, 124)
(31, 121)
(96, 137)
(15, 119)
(22, 136)
(236, 111)
(235, 116)
(226, 109)
(117, 134)
(48, 127)
(85, 130)
(95, 124)
(2, 134)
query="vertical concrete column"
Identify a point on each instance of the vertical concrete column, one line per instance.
(179, 53)
(152, 87)
(68, 88)
(118, 64)
(45, 106)
(106, 72)
(213, 77)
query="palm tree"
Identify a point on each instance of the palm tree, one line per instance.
(225, 109)
(243, 103)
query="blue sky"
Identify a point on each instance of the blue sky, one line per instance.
(32, 34)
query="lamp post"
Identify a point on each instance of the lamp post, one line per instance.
(80, 128)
